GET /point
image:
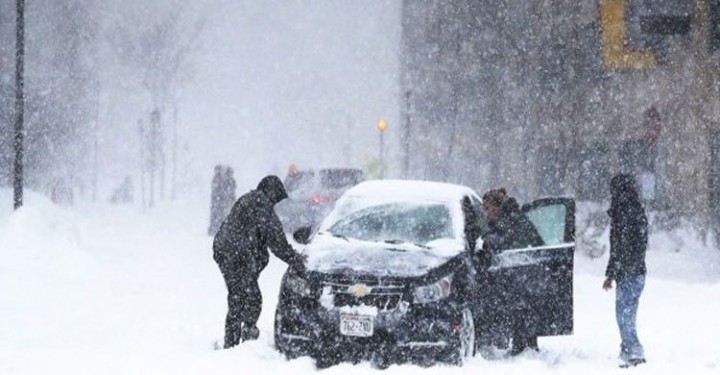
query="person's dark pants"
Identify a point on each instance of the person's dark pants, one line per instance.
(244, 305)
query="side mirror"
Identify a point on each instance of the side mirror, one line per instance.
(302, 235)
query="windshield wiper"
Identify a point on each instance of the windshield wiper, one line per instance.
(336, 235)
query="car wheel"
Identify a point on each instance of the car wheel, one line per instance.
(282, 344)
(279, 344)
(467, 334)
(492, 345)
(465, 348)
(380, 361)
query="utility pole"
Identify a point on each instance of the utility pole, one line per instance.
(406, 135)
(173, 188)
(96, 140)
(19, 104)
(381, 126)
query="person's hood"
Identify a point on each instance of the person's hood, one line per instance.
(273, 188)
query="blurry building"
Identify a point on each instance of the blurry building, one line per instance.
(553, 97)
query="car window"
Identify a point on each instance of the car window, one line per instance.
(414, 223)
(340, 178)
(550, 223)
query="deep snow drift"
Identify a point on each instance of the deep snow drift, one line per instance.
(101, 289)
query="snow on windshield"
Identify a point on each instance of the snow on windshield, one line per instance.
(397, 222)
(420, 212)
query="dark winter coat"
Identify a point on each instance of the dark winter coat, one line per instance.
(628, 229)
(512, 230)
(242, 242)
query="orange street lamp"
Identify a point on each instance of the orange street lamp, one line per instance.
(381, 126)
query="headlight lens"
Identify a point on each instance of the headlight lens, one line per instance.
(298, 285)
(435, 291)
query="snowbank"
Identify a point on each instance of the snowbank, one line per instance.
(108, 290)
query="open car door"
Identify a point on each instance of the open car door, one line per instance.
(537, 282)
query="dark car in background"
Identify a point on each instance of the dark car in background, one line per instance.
(396, 273)
(312, 194)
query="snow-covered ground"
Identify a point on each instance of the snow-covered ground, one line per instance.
(112, 290)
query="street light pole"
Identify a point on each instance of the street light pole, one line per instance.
(381, 126)
(19, 105)
(406, 135)
(382, 146)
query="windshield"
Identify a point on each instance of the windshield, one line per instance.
(396, 222)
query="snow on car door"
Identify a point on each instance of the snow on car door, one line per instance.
(540, 279)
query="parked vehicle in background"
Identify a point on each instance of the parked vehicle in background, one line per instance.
(396, 273)
(312, 194)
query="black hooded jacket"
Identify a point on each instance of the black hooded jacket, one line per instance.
(628, 229)
(512, 230)
(242, 242)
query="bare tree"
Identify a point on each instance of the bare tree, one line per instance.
(158, 50)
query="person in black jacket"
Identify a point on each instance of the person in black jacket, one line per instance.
(626, 266)
(240, 249)
(509, 228)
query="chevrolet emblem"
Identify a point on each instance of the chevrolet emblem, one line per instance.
(360, 290)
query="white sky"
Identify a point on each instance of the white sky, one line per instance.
(278, 82)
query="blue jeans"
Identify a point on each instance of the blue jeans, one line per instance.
(627, 298)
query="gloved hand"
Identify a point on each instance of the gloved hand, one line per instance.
(299, 264)
(493, 243)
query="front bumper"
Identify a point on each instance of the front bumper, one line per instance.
(402, 331)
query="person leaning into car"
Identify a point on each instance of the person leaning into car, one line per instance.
(240, 249)
(509, 228)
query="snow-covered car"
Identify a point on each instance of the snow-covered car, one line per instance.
(393, 275)
(312, 194)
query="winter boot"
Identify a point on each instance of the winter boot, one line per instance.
(632, 362)
(249, 332)
(231, 339)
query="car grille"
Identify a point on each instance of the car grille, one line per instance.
(383, 297)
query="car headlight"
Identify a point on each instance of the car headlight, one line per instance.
(435, 291)
(298, 285)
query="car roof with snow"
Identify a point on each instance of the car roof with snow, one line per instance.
(409, 190)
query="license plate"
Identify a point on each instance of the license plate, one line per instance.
(356, 325)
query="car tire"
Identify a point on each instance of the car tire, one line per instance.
(380, 361)
(281, 344)
(492, 338)
(465, 348)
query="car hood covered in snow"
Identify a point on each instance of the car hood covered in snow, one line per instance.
(330, 254)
